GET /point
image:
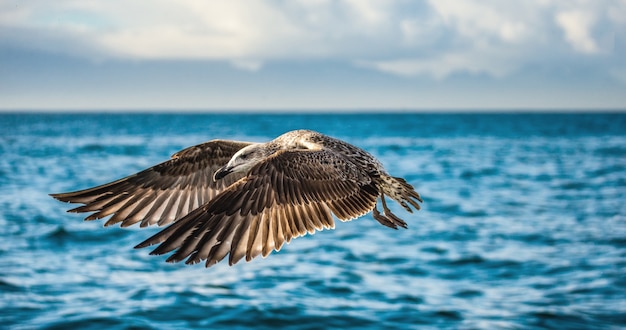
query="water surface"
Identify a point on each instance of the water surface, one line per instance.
(523, 226)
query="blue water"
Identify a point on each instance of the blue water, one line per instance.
(523, 226)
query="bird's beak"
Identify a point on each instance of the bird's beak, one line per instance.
(222, 172)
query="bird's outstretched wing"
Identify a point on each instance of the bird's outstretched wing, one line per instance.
(163, 193)
(285, 196)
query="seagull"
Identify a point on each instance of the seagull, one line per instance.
(245, 199)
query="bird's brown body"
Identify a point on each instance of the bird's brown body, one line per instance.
(247, 199)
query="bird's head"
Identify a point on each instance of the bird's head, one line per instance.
(243, 160)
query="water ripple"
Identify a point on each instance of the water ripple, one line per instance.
(523, 226)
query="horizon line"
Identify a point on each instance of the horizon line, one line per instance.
(301, 110)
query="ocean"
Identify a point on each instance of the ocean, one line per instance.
(523, 226)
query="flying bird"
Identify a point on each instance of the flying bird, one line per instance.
(245, 199)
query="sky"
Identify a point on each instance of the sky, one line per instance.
(286, 55)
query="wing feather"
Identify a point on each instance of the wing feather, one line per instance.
(182, 183)
(287, 195)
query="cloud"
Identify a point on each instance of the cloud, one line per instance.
(443, 66)
(486, 20)
(247, 65)
(576, 25)
(435, 38)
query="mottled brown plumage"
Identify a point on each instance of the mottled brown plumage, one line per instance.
(246, 199)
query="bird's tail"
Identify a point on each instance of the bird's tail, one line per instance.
(403, 193)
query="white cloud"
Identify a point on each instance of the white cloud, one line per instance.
(247, 65)
(443, 66)
(403, 37)
(576, 25)
(199, 30)
(438, 68)
(479, 20)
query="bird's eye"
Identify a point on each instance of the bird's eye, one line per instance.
(243, 156)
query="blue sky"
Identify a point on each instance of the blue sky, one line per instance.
(312, 54)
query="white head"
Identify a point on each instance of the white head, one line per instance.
(243, 160)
